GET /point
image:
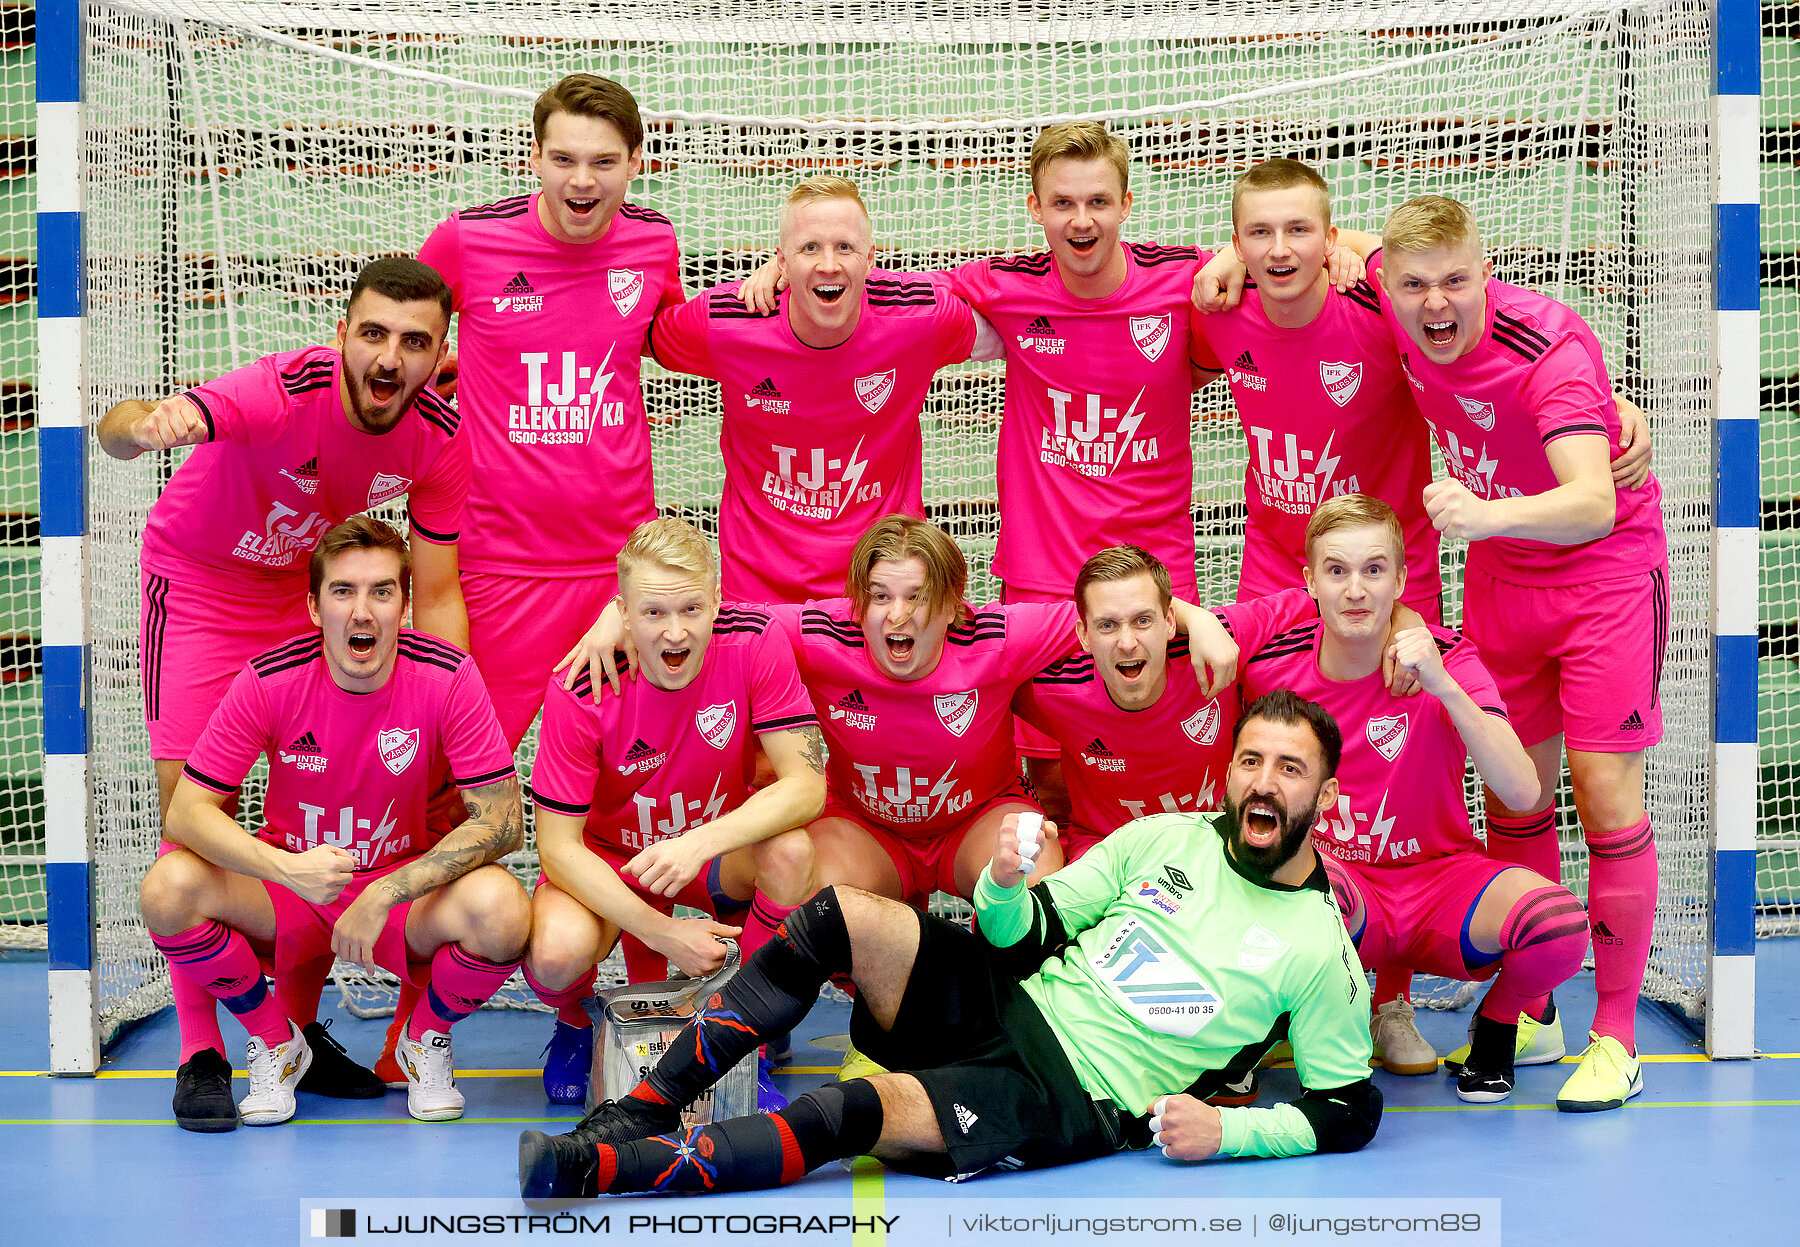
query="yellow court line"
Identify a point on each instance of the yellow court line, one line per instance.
(868, 1198)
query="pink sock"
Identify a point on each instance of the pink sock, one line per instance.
(1528, 841)
(1392, 983)
(1542, 940)
(643, 964)
(300, 989)
(760, 923)
(566, 1001)
(221, 962)
(1621, 914)
(460, 984)
(196, 1015)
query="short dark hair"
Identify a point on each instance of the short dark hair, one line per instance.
(404, 280)
(1286, 706)
(590, 95)
(359, 532)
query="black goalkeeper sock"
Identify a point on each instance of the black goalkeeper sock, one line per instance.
(771, 994)
(749, 1153)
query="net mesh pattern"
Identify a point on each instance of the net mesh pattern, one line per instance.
(242, 161)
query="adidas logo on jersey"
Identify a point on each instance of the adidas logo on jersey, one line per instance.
(306, 476)
(1603, 935)
(1040, 337)
(517, 296)
(642, 756)
(852, 711)
(1245, 373)
(1633, 723)
(1098, 756)
(965, 1120)
(305, 755)
(767, 397)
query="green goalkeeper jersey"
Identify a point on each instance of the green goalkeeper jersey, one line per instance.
(1178, 962)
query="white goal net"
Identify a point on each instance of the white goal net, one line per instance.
(242, 160)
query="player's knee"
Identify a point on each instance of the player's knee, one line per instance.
(169, 896)
(816, 931)
(556, 957)
(785, 867)
(497, 914)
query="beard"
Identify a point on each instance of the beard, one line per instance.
(1294, 827)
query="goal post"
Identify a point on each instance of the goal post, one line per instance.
(240, 160)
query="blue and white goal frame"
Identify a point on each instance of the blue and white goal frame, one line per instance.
(1731, 975)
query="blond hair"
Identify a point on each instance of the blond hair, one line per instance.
(1279, 174)
(818, 189)
(668, 543)
(589, 95)
(1429, 223)
(1355, 511)
(359, 532)
(1122, 562)
(898, 538)
(1080, 140)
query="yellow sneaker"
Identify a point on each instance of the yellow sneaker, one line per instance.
(1540, 1043)
(1281, 1054)
(856, 1065)
(1606, 1078)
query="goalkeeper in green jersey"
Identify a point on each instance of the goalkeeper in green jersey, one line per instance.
(1094, 1012)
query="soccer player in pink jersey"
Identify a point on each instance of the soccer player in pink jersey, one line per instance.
(362, 722)
(645, 798)
(1566, 590)
(285, 448)
(821, 399)
(1137, 734)
(554, 295)
(1415, 885)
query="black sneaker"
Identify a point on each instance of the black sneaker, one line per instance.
(1237, 1094)
(621, 1121)
(333, 1073)
(553, 1166)
(1483, 1086)
(203, 1093)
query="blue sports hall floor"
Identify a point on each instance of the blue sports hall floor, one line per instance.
(1707, 1154)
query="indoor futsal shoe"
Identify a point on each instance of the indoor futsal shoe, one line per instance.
(1539, 1043)
(203, 1093)
(768, 1098)
(332, 1072)
(856, 1065)
(557, 1166)
(431, 1093)
(387, 1067)
(1486, 1075)
(1606, 1078)
(274, 1074)
(1399, 1048)
(568, 1060)
(621, 1121)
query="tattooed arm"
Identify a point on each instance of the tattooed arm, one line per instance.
(495, 827)
(793, 800)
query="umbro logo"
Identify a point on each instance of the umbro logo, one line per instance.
(852, 711)
(306, 476)
(1633, 723)
(518, 296)
(965, 1120)
(1176, 878)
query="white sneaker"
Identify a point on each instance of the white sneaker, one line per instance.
(274, 1073)
(1399, 1048)
(431, 1093)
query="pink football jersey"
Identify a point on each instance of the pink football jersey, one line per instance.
(648, 764)
(282, 464)
(818, 443)
(1401, 780)
(548, 337)
(355, 770)
(1325, 411)
(917, 757)
(1536, 375)
(1095, 435)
